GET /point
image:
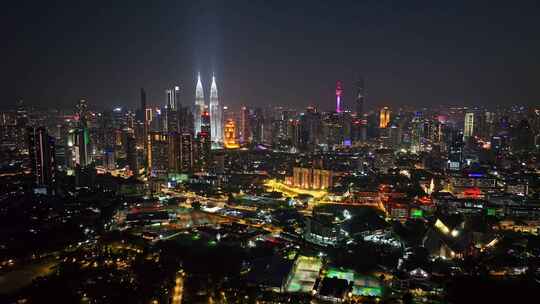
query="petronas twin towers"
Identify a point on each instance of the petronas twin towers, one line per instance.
(216, 122)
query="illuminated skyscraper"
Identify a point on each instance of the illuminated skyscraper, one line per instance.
(158, 154)
(245, 133)
(82, 136)
(384, 118)
(22, 115)
(199, 104)
(21, 122)
(82, 144)
(147, 123)
(82, 113)
(339, 92)
(173, 98)
(215, 114)
(204, 143)
(455, 149)
(42, 156)
(172, 123)
(230, 135)
(186, 153)
(417, 128)
(205, 122)
(256, 125)
(131, 151)
(145, 117)
(488, 129)
(169, 104)
(177, 103)
(468, 129)
(173, 150)
(360, 98)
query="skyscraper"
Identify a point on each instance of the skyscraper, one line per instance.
(177, 102)
(82, 135)
(204, 143)
(21, 122)
(206, 122)
(158, 154)
(230, 135)
(360, 98)
(82, 145)
(142, 110)
(173, 98)
(169, 103)
(256, 124)
(455, 149)
(204, 146)
(384, 121)
(42, 156)
(85, 172)
(174, 154)
(186, 153)
(309, 129)
(339, 92)
(172, 119)
(82, 113)
(145, 116)
(244, 131)
(22, 115)
(215, 114)
(416, 133)
(131, 151)
(468, 128)
(198, 108)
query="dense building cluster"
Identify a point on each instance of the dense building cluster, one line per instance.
(180, 202)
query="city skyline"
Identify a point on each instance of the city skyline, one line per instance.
(268, 152)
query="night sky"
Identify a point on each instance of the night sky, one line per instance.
(271, 52)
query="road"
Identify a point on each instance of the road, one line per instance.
(178, 290)
(17, 279)
(23, 275)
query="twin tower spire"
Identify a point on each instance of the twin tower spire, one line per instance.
(216, 121)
